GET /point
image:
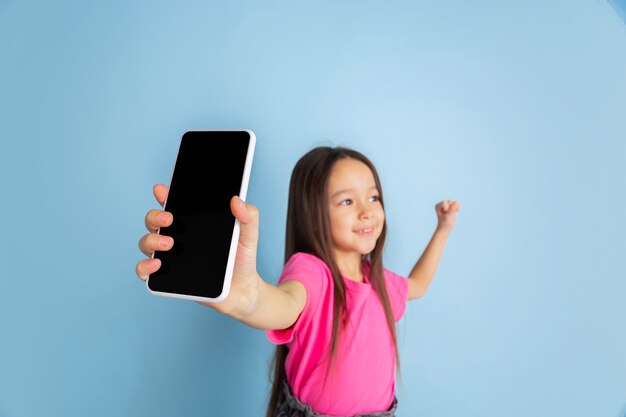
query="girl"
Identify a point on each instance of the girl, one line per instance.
(332, 314)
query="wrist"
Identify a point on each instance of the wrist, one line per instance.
(443, 230)
(247, 301)
(242, 299)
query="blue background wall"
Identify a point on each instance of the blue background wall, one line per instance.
(516, 109)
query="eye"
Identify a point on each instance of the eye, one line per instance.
(346, 202)
(374, 198)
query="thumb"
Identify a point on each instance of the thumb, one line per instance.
(248, 216)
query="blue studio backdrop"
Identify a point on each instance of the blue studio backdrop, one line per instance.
(515, 109)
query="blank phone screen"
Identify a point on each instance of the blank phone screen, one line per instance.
(208, 172)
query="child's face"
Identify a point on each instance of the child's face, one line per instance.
(356, 214)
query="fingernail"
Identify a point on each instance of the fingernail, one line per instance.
(241, 202)
(165, 242)
(163, 217)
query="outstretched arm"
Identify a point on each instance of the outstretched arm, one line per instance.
(424, 270)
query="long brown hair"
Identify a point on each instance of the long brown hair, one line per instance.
(308, 231)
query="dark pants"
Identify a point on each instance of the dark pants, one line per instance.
(290, 406)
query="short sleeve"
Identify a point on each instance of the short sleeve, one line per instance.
(398, 290)
(313, 273)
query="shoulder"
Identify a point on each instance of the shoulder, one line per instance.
(305, 262)
(398, 290)
(397, 285)
(310, 270)
(392, 276)
(314, 275)
(395, 282)
(389, 275)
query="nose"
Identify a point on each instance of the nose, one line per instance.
(365, 211)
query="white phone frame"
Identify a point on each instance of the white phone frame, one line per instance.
(230, 265)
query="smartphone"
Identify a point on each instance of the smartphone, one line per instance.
(211, 166)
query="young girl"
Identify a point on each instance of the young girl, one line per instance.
(332, 314)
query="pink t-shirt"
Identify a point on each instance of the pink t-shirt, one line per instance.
(363, 380)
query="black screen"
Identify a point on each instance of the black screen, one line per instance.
(208, 172)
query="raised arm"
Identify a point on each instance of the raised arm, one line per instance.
(251, 300)
(424, 270)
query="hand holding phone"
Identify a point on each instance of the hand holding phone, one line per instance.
(211, 167)
(244, 274)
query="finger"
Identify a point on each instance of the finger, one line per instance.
(152, 242)
(147, 267)
(158, 218)
(248, 216)
(160, 192)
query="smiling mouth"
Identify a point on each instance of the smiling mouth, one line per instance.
(366, 231)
